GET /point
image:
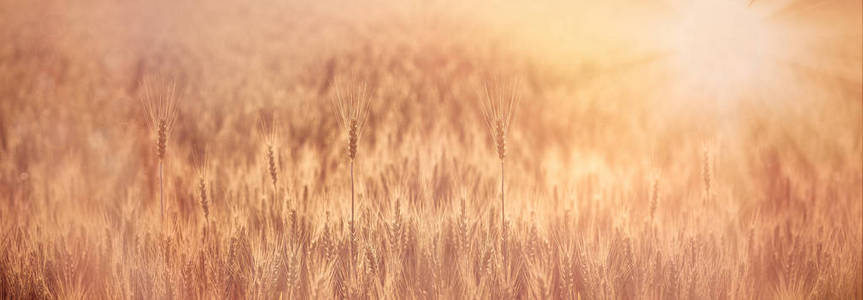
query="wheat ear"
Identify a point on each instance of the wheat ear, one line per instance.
(268, 126)
(201, 162)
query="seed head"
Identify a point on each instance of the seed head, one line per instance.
(160, 104)
(201, 163)
(268, 126)
(498, 110)
(353, 108)
(352, 140)
(271, 159)
(202, 190)
(162, 140)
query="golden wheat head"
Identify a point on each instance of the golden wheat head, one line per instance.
(498, 110)
(160, 103)
(201, 164)
(352, 107)
(269, 129)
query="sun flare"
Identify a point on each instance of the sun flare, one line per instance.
(718, 46)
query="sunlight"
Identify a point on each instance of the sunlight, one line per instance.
(720, 47)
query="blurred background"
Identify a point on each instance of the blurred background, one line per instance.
(724, 121)
(766, 88)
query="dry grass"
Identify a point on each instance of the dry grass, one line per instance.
(620, 183)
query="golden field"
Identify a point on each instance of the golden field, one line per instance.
(660, 150)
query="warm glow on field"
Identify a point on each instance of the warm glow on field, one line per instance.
(431, 149)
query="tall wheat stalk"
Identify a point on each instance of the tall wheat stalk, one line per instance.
(201, 164)
(498, 110)
(160, 104)
(268, 127)
(352, 109)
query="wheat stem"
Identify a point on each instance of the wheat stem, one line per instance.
(352, 216)
(502, 209)
(161, 193)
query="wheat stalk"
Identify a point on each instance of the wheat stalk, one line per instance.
(352, 109)
(160, 104)
(268, 127)
(201, 162)
(706, 174)
(654, 198)
(498, 110)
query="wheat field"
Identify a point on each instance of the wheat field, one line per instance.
(660, 149)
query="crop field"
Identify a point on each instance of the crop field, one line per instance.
(226, 149)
